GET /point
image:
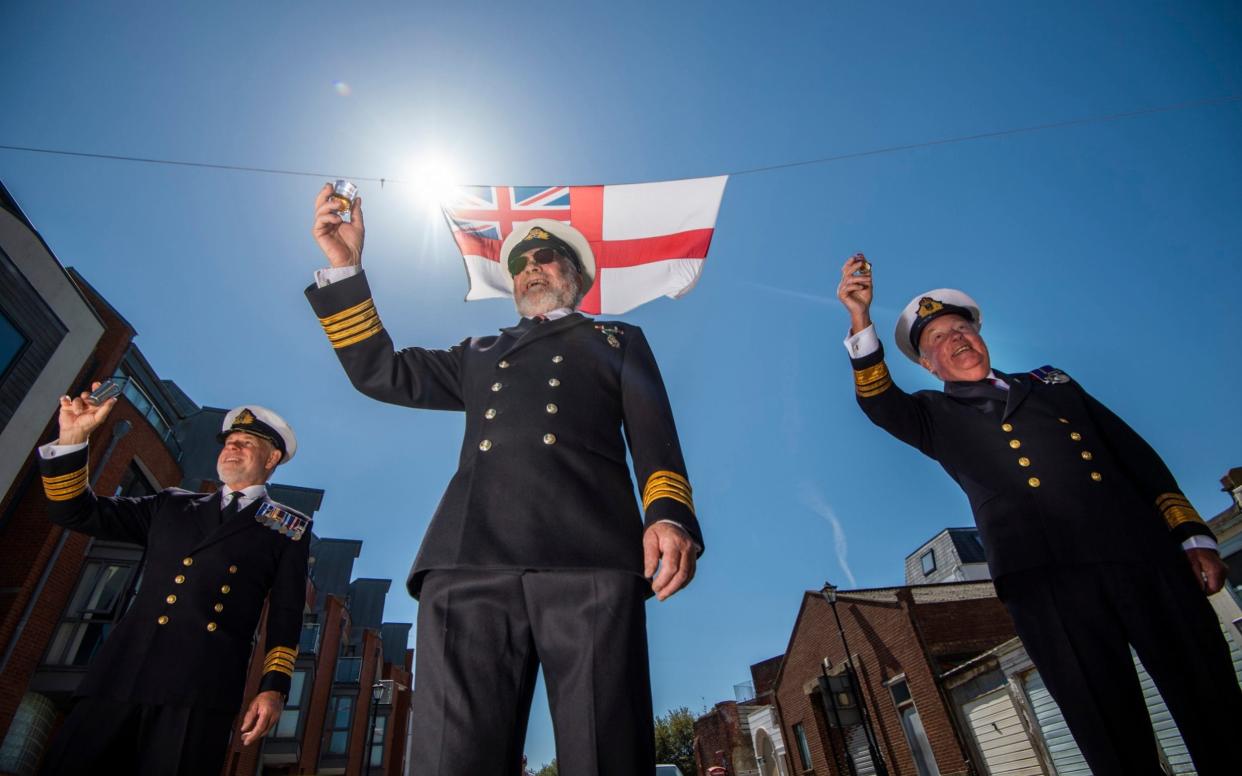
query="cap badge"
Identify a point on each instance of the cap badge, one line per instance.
(929, 306)
(538, 234)
(282, 521)
(244, 418)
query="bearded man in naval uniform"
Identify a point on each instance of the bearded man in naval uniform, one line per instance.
(538, 553)
(1090, 542)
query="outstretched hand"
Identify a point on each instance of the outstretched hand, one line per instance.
(340, 240)
(856, 291)
(261, 716)
(673, 549)
(78, 417)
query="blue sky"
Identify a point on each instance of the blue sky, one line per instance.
(1109, 250)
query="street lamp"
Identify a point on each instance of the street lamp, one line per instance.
(377, 692)
(830, 702)
(829, 592)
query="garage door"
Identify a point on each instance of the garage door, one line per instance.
(1003, 742)
(1066, 756)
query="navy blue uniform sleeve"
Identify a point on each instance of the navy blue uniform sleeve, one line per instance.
(285, 606)
(413, 377)
(889, 407)
(652, 437)
(72, 504)
(1146, 471)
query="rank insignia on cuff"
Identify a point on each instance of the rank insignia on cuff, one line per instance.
(352, 325)
(281, 660)
(872, 381)
(668, 484)
(283, 521)
(1176, 510)
(66, 486)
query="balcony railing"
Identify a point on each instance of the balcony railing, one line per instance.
(308, 643)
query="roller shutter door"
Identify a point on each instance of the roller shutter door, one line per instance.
(1002, 739)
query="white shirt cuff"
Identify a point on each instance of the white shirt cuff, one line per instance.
(53, 450)
(329, 275)
(864, 343)
(1200, 542)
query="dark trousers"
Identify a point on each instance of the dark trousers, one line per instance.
(104, 736)
(482, 636)
(1077, 624)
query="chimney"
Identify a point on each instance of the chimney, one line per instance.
(1232, 484)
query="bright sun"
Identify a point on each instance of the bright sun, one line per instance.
(434, 180)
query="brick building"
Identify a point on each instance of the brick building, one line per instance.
(742, 735)
(903, 641)
(61, 592)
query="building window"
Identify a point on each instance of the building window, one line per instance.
(804, 751)
(928, 559)
(134, 483)
(377, 740)
(145, 406)
(348, 670)
(287, 727)
(912, 725)
(93, 611)
(340, 713)
(12, 343)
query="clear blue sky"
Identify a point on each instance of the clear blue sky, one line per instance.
(1110, 250)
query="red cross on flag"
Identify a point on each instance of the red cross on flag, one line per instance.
(649, 239)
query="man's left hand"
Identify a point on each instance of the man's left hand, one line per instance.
(673, 549)
(1209, 569)
(261, 716)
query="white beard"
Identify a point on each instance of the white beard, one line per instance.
(546, 298)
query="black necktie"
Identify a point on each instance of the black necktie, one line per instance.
(233, 508)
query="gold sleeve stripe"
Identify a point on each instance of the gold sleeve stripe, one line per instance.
(278, 661)
(1177, 510)
(344, 328)
(348, 312)
(66, 486)
(872, 381)
(352, 325)
(668, 484)
(279, 669)
(290, 652)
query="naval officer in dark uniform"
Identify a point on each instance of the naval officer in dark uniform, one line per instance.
(161, 695)
(538, 553)
(1090, 542)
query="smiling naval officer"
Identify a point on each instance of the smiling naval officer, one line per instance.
(161, 695)
(537, 552)
(1091, 544)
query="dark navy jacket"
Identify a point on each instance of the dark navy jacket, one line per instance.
(1053, 477)
(188, 636)
(542, 480)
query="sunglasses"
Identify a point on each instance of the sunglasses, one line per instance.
(541, 256)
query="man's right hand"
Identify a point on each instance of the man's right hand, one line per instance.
(855, 292)
(340, 241)
(78, 417)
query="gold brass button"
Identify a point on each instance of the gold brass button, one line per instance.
(163, 619)
(225, 589)
(1015, 444)
(551, 408)
(232, 569)
(557, 359)
(218, 607)
(1074, 435)
(1086, 455)
(1033, 482)
(172, 599)
(1097, 476)
(496, 387)
(491, 413)
(554, 382)
(503, 365)
(549, 439)
(211, 626)
(187, 561)
(1063, 420)
(1024, 461)
(1006, 427)
(485, 445)
(179, 579)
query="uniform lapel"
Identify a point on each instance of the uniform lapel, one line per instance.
(542, 330)
(242, 521)
(207, 513)
(1019, 389)
(981, 395)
